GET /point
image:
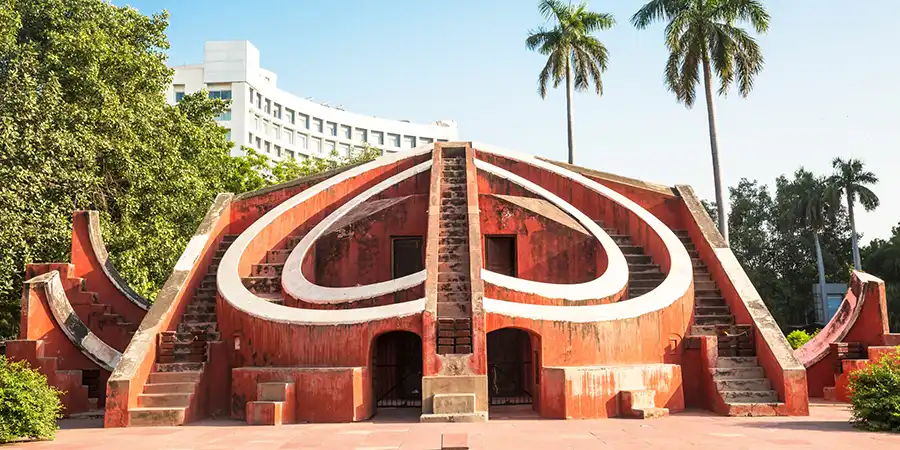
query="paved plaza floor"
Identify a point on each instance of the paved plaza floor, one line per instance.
(510, 428)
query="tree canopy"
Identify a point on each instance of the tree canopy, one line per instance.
(84, 124)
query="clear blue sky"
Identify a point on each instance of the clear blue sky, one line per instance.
(826, 89)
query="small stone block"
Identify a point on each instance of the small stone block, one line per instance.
(828, 393)
(274, 392)
(454, 441)
(264, 413)
(650, 413)
(454, 403)
(630, 402)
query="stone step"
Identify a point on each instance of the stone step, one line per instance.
(179, 367)
(454, 180)
(156, 417)
(744, 384)
(721, 319)
(174, 377)
(698, 264)
(208, 336)
(711, 310)
(454, 266)
(621, 239)
(453, 231)
(709, 301)
(196, 307)
(452, 187)
(266, 270)
(655, 276)
(454, 297)
(639, 267)
(702, 285)
(737, 362)
(453, 194)
(459, 217)
(731, 373)
(455, 201)
(167, 400)
(702, 275)
(262, 285)
(199, 317)
(767, 396)
(452, 310)
(631, 249)
(638, 259)
(703, 292)
(453, 286)
(453, 276)
(644, 283)
(229, 238)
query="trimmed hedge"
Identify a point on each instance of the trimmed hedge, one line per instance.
(29, 406)
(798, 338)
(875, 398)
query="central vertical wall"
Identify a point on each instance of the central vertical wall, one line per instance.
(454, 366)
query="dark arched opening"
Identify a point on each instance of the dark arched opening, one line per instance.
(511, 359)
(397, 370)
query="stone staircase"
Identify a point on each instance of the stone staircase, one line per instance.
(169, 397)
(739, 379)
(170, 391)
(265, 278)
(454, 298)
(643, 275)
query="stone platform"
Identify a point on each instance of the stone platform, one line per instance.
(510, 428)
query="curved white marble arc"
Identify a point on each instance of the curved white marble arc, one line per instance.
(677, 282)
(71, 325)
(295, 284)
(610, 283)
(232, 289)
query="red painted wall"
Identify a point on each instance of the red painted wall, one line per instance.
(88, 267)
(546, 250)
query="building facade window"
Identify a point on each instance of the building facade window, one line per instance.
(277, 111)
(289, 135)
(344, 150)
(224, 116)
(301, 140)
(259, 100)
(289, 154)
(268, 108)
(409, 141)
(179, 96)
(289, 115)
(268, 147)
(360, 135)
(258, 143)
(331, 128)
(393, 140)
(317, 125)
(315, 145)
(424, 140)
(345, 131)
(377, 138)
(277, 130)
(303, 120)
(228, 135)
(224, 95)
(329, 146)
(277, 151)
(265, 128)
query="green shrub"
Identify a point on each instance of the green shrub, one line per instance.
(875, 395)
(29, 407)
(799, 337)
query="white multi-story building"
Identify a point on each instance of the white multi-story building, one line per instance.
(281, 125)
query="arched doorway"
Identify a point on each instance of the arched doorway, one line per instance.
(397, 370)
(511, 367)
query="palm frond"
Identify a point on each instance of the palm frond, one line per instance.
(592, 21)
(553, 9)
(753, 11)
(656, 10)
(867, 198)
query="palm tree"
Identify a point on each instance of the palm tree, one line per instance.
(572, 53)
(701, 34)
(812, 204)
(850, 180)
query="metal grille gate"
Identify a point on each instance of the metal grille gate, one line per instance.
(397, 370)
(510, 368)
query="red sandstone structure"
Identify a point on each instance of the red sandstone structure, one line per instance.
(857, 335)
(450, 278)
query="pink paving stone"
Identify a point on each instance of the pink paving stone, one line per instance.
(454, 441)
(827, 427)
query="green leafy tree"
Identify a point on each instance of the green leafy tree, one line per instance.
(882, 259)
(851, 180)
(703, 37)
(573, 54)
(84, 124)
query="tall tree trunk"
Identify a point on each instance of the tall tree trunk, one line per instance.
(569, 111)
(821, 266)
(714, 146)
(854, 240)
